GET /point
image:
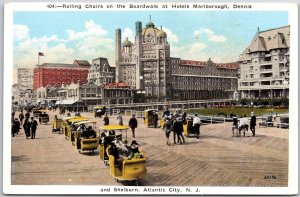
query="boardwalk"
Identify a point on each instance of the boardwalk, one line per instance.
(217, 159)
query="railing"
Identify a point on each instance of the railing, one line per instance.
(168, 103)
(265, 62)
(284, 69)
(257, 87)
(138, 114)
(266, 70)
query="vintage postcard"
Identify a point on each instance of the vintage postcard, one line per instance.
(154, 98)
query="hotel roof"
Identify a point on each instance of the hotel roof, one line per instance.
(83, 63)
(267, 40)
(232, 65)
(60, 65)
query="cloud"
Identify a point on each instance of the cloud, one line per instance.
(211, 36)
(192, 52)
(91, 28)
(20, 32)
(195, 52)
(46, 39)
(89, 50)
(198, 49)
(59, 54)
(184, 50)
(29, 44)
(88, 44)
(172, 38)
(93, 42)
(128, 33)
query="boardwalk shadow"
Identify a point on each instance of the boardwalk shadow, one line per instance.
(40, 138)
(210, 136)
(133, 183)
(89, 153)
(189, 143)
(249, 135)
(19, 158)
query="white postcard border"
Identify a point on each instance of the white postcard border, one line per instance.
(59, 189)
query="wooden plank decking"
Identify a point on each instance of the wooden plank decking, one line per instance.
(217, 159)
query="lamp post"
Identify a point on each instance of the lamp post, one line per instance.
(73, 95)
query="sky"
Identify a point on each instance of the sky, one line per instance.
(193, 35)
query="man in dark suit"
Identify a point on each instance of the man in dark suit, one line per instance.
(253, 123)
(33, 127)
(133, 124)
(26, 127)
(178, 129)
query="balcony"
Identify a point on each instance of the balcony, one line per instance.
(270, 78)
(264, 70)
(284, 69)
(265, 62)
(268, 55)
(283, 60)
(264, 87)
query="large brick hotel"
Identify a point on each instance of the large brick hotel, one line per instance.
(56, 74)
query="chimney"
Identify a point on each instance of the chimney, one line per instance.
(118, 52)
(138, 27)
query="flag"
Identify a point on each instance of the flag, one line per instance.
(41, 54)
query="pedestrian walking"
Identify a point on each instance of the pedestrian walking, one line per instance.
(166, 113)
(167, 128)
(183, 117)
(27, 114)
(120, 119)
(13, 114)
(178, 130)
(177, 113)
(17, 126)
(13, 128)
(21, 117)
(243, 125)
(33, 127)
(99, 112)
(26, 127)
(133, 123)
(253, 123)
(235, 126)
(106, 119)
(196, 125)
(155, 119)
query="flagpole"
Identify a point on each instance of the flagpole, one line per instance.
(38, 59)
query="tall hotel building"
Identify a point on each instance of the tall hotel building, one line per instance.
(146, 66)
(264, 65)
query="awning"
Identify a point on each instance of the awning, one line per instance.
(66, 102)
